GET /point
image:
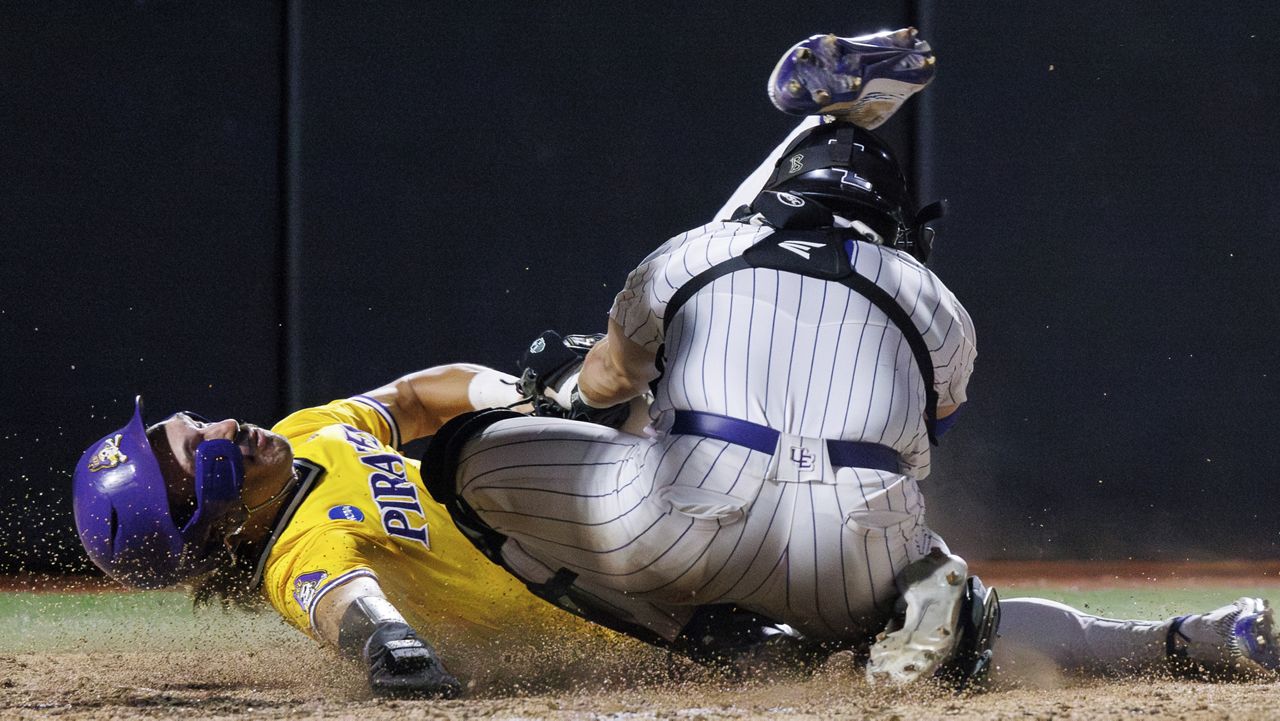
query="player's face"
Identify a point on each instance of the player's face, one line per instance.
(268, 458)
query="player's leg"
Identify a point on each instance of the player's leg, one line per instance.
(1039, 637)
(862, 80)
(529, 492)
(750, 187)
(823, 558)
(575, 496)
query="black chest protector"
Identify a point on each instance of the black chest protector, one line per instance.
(822, 254)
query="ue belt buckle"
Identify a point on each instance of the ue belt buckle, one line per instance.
(798, 459)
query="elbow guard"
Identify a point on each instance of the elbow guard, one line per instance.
(363, 616)
(400, 664)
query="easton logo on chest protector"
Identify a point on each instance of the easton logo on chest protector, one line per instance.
(799, 247)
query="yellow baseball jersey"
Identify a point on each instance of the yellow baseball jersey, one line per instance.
(367, 513)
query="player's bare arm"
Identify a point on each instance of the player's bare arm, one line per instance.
(616, 369)
(423, 401)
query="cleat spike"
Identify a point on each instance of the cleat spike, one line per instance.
(904, 38)
(930, 61)
(842, 69)
(927, 635)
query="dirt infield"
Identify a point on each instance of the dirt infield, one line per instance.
(258, 690)
(279, 684)
(88, 654)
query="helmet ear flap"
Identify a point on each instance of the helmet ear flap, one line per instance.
(219, 478)
(931, 212)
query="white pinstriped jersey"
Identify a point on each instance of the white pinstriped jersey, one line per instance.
(801, 355)
(680, 520)
(650, 525)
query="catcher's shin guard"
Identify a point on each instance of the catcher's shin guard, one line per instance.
(979, 621)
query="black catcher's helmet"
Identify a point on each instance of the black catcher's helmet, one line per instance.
(848, 171)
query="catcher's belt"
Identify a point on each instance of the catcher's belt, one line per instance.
(848, 454)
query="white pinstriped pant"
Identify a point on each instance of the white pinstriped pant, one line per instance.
(686, 520)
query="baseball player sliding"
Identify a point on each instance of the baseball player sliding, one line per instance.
(793, 413)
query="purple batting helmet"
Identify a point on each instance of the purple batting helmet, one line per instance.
(122, 507)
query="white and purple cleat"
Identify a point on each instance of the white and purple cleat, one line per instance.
(863, 80)
(1253, 637)
(1238, 640)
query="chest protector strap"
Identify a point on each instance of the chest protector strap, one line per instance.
(821, 254)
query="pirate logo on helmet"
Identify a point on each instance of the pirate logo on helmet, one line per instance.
(109, 455)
